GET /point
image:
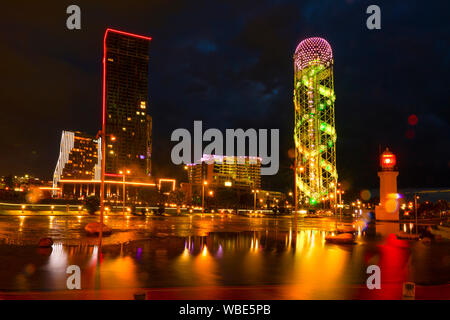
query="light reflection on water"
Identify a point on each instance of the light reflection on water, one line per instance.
(273, 253)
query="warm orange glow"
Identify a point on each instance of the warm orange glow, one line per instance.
(49, 188)
(109, 181)
(173, 181)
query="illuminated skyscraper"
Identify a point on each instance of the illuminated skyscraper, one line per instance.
(78, 158)
(220, 170)
(128, 127)
(314, 128)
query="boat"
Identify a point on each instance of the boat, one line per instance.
(342, 238)
(407, 236)
(346, 229)
(93, 228)
(441, 231)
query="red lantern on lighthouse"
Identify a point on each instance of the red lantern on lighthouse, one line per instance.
(388, 160)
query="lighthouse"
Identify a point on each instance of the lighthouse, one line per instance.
(387, 210)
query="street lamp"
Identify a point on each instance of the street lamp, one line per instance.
(415, 208)
(334, 185)
(340, 192)
(124, 173)
(203, 195)
(295, 178)
(255, 191)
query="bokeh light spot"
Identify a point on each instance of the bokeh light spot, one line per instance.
(365, 194)
(392, 202)
(412, 120)
(410, 134)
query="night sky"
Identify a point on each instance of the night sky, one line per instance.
(229, 63)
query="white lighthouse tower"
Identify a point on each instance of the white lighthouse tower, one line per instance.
(389, 198)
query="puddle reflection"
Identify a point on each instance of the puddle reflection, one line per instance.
(299, 261)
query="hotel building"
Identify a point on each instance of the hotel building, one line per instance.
(78, 158)
(239, 172)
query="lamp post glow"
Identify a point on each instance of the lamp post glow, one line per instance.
(301, 169)
(415, 208)
(203, 195)
(254, 199)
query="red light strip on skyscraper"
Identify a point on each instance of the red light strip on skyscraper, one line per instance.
(128, 34)
(114, 174)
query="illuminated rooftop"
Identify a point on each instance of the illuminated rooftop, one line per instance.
(313, 50)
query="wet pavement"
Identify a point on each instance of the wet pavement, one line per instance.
(227, 256)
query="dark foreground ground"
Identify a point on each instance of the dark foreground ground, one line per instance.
(216, 257)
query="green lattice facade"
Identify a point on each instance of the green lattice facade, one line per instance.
(314, 131)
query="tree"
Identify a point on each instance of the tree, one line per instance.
(9, 181)
(177, 196)
(92, 204)
(441, 205)
(226, 197)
